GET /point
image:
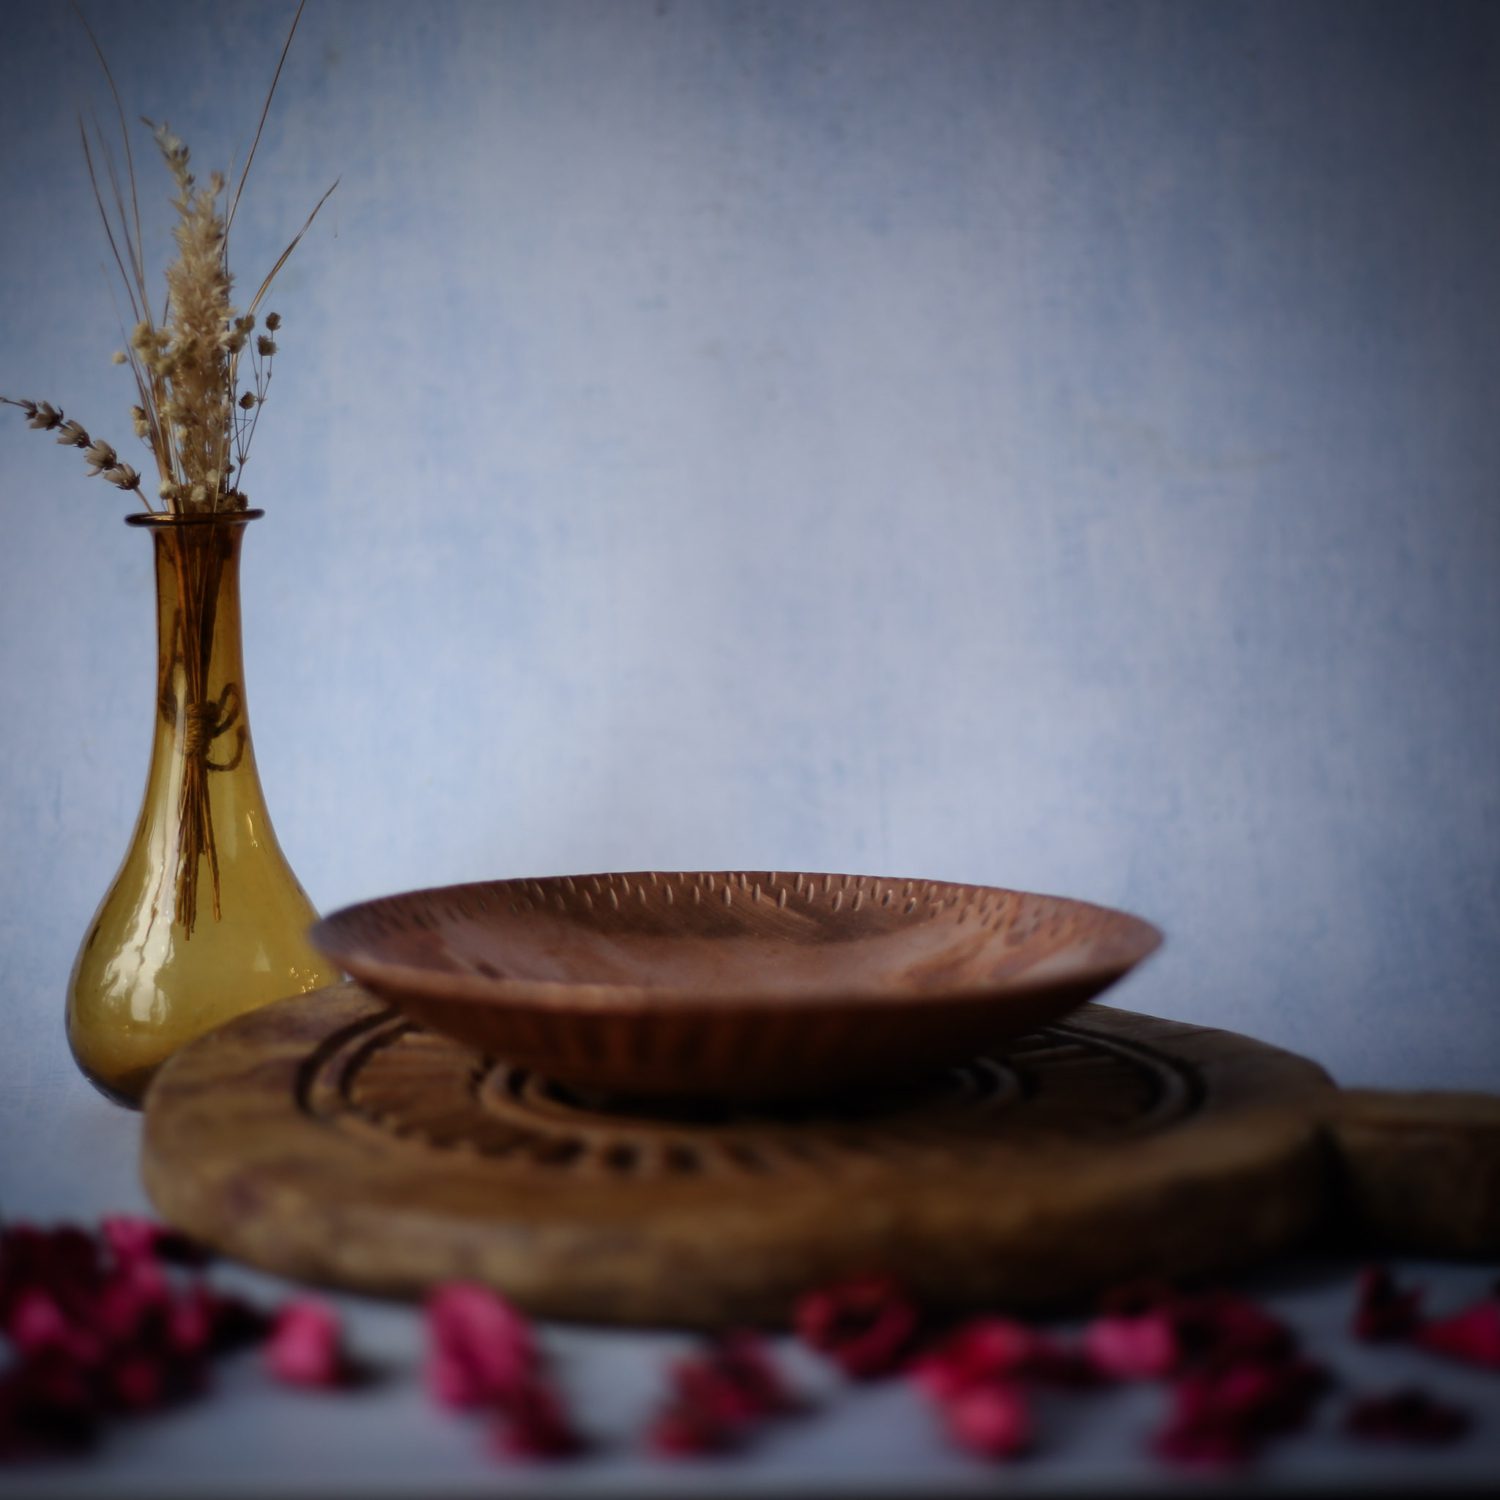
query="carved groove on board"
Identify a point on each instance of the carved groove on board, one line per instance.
(382, 1076)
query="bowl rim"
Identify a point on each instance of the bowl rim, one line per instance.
(1143, 939)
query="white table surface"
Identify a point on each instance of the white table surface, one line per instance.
(66, 1153)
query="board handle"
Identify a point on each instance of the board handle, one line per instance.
(1418, 1171)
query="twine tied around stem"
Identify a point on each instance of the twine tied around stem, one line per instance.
(204, 721)
(207, 721)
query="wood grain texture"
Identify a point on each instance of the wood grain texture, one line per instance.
(747, 984)
(326, 1138)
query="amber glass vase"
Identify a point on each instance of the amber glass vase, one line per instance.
(205, 919)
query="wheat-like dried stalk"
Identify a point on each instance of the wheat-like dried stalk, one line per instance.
(192, 412)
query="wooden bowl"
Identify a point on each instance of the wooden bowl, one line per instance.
(735, 985)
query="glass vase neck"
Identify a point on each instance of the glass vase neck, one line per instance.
(170, 518)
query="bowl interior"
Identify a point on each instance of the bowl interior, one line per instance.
(746, 934)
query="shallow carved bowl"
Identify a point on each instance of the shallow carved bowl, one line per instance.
(734, 985)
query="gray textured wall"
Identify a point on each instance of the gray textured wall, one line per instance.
(1050, 444)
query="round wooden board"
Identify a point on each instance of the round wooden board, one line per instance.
(326, 1138)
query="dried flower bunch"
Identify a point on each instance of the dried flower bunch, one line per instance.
(198, 406)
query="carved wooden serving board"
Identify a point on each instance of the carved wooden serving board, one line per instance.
(325, 1137)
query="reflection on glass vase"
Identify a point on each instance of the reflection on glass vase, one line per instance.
(205, 919)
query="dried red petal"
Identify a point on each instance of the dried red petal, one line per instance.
(481, 1351)
(134, 1305)
(707, 1387)
(1222, 1413)
(37, 1324)
(1472, 1335)
(865, 1325)
(99, 1332)
(1406, 1416)
(131, 1238)
(1383, 1312)
(981, 1351)
(1203, 1446)
(47, 1405)
(306, 1346)
(987, 1350)
(63, 1262)
(718, 1395)
(743, 1359)
(233, 1322)
(732, 1382)
(138, 1381)
(535, 1423)
(684, 1430)
(1225, 1328)
(991, 1420)
(1140, 1347)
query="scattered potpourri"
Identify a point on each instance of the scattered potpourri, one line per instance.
(1238, 1378)
(481, 1351)
(99, 1327)
(306, 1347)
(865, 1325)
(483, 1355)
(1406, 1416)
(718, 1397)
(108, 1324)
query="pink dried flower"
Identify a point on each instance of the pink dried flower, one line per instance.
(743, 1357)
(134, 1304)
(734, 1380)
(131, 1238)
(306, 1346)
(992, 1420)
(38, 1325)
(1204, 1445)
(1142, 1347)
(718, 1396)
(1225, 1328)
(865, 1325)
(1406, 1416)
(1472, 1335)
(684, 1430)
(1141, 1325)
(97, 1332)
(47, 1405)
(64, 1262)
(1222, 1414)
(701, 1384)
(982, 1351)
(534, 1423)
(136, 1380)
(481, 1351)
(190, 1325)
(202, 1322)
(1381, 1312)
(990, 1349)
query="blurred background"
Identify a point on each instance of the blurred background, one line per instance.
(1048, 444)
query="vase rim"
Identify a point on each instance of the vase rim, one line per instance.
(166, 518)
